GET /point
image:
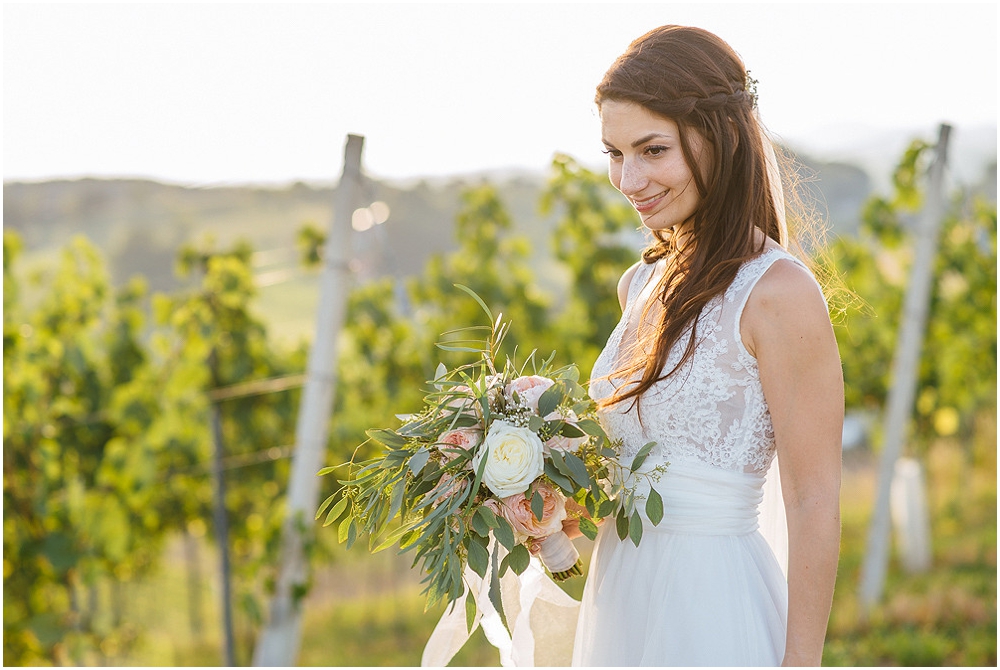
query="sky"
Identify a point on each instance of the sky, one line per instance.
(212, 94)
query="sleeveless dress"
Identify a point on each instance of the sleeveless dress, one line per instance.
(703, 587)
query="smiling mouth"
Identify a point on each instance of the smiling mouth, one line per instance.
(643, 205)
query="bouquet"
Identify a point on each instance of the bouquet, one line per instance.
(505, 453)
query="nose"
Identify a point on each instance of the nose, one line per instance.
(633, 179)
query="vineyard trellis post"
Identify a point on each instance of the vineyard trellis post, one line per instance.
(279, 640)
(905, 369)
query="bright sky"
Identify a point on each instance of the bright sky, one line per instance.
(223, 93)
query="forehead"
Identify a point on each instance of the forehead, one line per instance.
(623, 121)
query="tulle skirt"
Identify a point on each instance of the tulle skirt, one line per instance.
(702, 589)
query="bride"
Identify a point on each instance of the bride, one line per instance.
(724, 356)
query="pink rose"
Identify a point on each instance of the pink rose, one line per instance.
(561, 442)
(529, 389)
(463, 438)
(516, 509)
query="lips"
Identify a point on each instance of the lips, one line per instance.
(648, 203)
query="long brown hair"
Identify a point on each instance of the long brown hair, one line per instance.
(694, 78)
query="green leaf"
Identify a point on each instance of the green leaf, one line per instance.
(654, 507)
(591, 427)
(549, 401)
(588, 528)
(470, 611)
(561, 480)
(635, 528)
(537, 506)
(569, 430)
(479, 557)
(479, 525)
(488, 516)
(389, 438)
(352, 533)
(419, 460)
(519, 558)
(621, 524)
(640, 457)
(559, 461)
(326, 503)
(535, 423)
(495, 598)
(336, 512)
(504, 533)
(482, 304)
(577, 468)
(343, 529)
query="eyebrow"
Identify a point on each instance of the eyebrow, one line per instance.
(642, 140)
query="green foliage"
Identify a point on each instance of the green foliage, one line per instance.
(957, 376)
(591, 240)
(74, 504)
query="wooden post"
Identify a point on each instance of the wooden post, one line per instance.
(905, 369)
(278, 644)
(221, 523)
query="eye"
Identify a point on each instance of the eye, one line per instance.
(614, 153)
(655, 151)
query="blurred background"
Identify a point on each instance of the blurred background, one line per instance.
(169, 179)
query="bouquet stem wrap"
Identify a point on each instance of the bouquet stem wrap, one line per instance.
(559, 555)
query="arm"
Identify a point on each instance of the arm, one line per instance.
(787, 327)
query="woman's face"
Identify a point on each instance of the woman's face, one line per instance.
(647, 163)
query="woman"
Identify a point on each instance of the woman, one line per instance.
(725, 357)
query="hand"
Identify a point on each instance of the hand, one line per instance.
(572, 528)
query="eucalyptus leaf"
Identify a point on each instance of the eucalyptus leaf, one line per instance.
(326, 503)
(495, 598)
(479, 558)
(504, 533)
(419, 460)
(588, 528)
(389, 438)
(480, 526)
(635, 528)
(549, 401)
(470, 612)
(488, 516)
(336, 512)
(640, 457)
(621, 524)
(519, 558)
(560, 480)
(654, 507)
(577, 468)
(537, 506)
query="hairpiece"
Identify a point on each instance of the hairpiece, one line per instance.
(751, 88)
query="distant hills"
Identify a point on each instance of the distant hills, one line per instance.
(140, 224)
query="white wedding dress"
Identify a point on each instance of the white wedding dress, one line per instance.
(706, 586)
(703, 587)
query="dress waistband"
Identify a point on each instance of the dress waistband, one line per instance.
(702, 500)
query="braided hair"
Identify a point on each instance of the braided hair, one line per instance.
(695, 79)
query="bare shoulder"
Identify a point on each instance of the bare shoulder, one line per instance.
(786, 304)
(625, 282)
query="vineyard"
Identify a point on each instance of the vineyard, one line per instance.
(126, 412)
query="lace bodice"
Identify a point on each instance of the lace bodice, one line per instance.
(712, 410)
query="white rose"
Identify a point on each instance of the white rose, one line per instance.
(514, 458)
